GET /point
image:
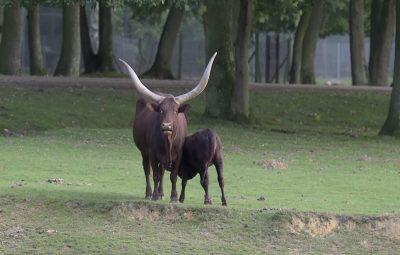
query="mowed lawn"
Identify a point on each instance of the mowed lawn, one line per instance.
(306, 157)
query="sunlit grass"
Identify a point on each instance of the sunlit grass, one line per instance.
(333, 163)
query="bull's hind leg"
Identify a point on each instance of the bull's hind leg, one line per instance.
(219, 166)
(147, 171)
(204, 180)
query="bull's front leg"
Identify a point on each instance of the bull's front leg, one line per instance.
(161, 185)
(174, 194)
(174, 177)
(156, 178)
(147, 171)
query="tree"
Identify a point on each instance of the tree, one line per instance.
(282, 16)
(69, 62)
(10, 48)
(105, 38)
(219, 32)
(90, 58)
(382, 32)
(1, 21)
(227, 26)
(305, 42)
(35, 46)
(392, 123)
(295, 71)
(356, 21)
(102, 61)
(310, 43)
(161, 67)
(240, 99)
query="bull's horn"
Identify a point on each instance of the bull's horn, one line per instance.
(200, 86)
(141, 89)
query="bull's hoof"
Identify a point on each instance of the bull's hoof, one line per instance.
(174, 200)
(208, 201)
(147, 197)
(224, 203)
(181, 199)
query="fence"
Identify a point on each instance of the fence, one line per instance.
(332, 59)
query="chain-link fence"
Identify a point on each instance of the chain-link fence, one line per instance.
(332, 59)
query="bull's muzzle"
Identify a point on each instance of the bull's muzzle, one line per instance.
(166, 128)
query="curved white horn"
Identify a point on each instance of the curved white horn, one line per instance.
(200, 86)
(141, 89)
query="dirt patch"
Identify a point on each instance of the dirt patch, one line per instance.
(316, 224)
(273, 164)
(12, 233)
(388, 227)
(134, 211)
(56, 181)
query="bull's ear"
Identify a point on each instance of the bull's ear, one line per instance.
(152, 106)
(184, 108)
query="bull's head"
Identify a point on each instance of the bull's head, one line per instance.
(169, 106)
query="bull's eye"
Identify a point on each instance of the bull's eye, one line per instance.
(161, 111)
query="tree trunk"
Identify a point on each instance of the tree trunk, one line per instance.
(295, 71)
(69, 62)
(382, 31)
(1, 21)
(392, 123)
(219, 29)
(161, 67)
(105, 39)
(310, 43)
(10, 48)
(356, 21)
(240, 98)
(35, 45)
(90, 59)
(257, 66)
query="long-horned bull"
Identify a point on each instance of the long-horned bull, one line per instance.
(159, 131)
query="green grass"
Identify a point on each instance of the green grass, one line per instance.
(336, 166)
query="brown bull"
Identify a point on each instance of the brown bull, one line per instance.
(159, 131)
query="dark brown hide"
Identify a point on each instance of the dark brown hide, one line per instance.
(159, 131)
(201, 150)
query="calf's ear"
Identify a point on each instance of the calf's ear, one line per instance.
(184, 108)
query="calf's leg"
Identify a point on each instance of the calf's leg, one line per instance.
(204, 183)
(182, 195)
(220, 172)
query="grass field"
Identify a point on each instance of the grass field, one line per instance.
(310, 176)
